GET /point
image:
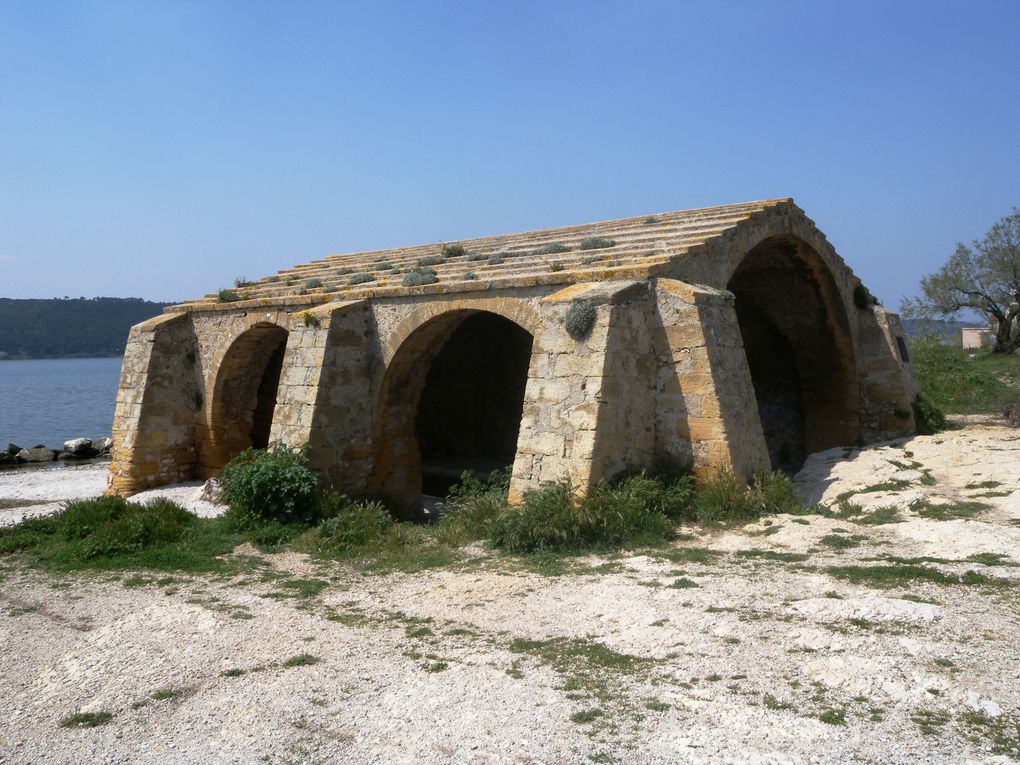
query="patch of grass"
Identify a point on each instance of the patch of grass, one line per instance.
(1001, 735)
(701, 555)
(228, 296)
(879, 517)
(301, 660)
(771, 702)
(556, 266)
(683, 583)
(772, 555)
(86, 720)
(950, 510)
(841, 541)
(983, 484)
(657, 706)
(832, 716)
(436, 666)
(586, 716)
(896, 575)
(930, 722)
(167, 693)
(362, 278)
(650, 220)
(960, 382)
(306, 588)
(234, 672)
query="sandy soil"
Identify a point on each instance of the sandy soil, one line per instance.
(759, 651)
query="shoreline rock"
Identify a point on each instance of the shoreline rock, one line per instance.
(74, 449)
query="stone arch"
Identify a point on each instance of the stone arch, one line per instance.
(800, 349)
(451, 400)
(244, 392)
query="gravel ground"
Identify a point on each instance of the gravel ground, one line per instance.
(752, 652)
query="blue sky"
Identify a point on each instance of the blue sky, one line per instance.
(159, 150)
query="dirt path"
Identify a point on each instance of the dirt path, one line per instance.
(884, 632)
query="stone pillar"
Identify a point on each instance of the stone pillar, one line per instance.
(587, 409)
(888, 385)
(706, 411)
(157, 405)
(324, 396)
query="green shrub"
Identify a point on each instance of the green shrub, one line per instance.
(362, 278)
(274, 484)
(723, 500)
(552, 249)
(928, 418)
(636, 510)
(240, 281)
(580, 318)
(650, 220)
(419, 276)
(313, 284)
(470, 276)
(228, 296)
(430, 260)
(556, 266)
(495, 260)
(356, 527)
(596, 243)
(383, 265)
(453, 251)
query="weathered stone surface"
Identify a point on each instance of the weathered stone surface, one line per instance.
(78, 446)
(36, 454)
(679, 367)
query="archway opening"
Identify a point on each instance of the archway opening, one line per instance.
(451, 400)
(799, 351)
(241, 415)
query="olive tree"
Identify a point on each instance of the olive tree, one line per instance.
(983, 277)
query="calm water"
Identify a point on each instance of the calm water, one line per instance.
(50, 401)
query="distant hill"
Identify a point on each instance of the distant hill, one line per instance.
(70, 327)
(948, 331)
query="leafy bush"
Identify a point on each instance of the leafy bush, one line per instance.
(470, 276)
(495, 260)
(266, 485)
(383, 265)
(356, 527)
(431, 260)
(650, 220)
(313, 284)
(596, 243)
(361, 278)
(240, 281)
(556, 266)
(579, 319)
(552, 249)
(228, 296)
(419, 276)
(928, 418)
(453, 250)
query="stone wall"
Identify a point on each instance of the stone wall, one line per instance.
(661, 379)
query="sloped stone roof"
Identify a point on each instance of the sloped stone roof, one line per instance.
(636, 248)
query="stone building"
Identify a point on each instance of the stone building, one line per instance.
(729, 337)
